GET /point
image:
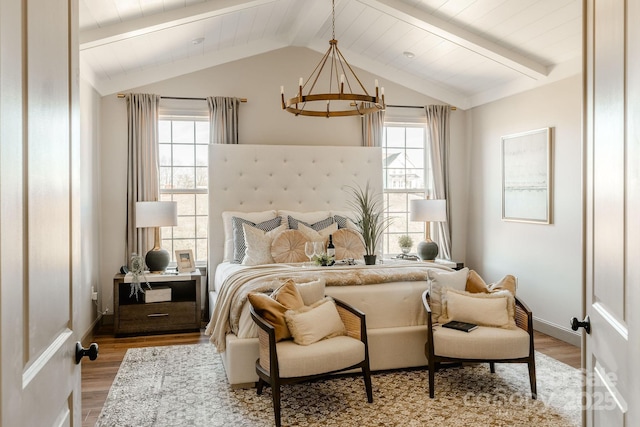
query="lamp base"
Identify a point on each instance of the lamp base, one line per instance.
(157, 260)
(427, 250)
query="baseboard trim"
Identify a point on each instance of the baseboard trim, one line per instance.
(88, 336)
(559, 332)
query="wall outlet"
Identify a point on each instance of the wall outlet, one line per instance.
(94, 294)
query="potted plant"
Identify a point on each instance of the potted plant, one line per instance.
(406, 243)
(367, 208)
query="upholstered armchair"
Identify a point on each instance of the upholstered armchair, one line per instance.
(486, 344)
(285, 362)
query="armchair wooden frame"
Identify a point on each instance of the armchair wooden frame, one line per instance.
(524, 320)
(267, 366)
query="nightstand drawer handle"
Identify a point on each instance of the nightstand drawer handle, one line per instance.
(158, 315)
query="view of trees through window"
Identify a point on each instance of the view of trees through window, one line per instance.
(406, 176)
(183, 153)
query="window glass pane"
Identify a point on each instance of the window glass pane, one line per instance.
(186, 227)
(186, 204)
(202, 132)
(183, 177)
(202, 204)
(202, 177)
(183, 132)
(164, 130)
(165, 177)
(164, 153)
(183, 155)
(415, 137)
(201, 250)
(395, 137)
(201, 226)
(414, 158)
(202, 155)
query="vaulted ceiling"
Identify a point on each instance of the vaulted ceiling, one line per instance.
(463, 52)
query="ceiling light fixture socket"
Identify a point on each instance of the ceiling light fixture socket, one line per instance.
(408, 54)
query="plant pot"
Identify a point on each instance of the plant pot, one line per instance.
(370, 259)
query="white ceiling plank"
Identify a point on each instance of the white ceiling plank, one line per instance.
(309, 22)
(461, 37)
(131, 80)
(161, 21)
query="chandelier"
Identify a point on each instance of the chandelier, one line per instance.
(339, 97)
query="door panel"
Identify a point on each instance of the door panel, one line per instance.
(611, 235)
(39, 260)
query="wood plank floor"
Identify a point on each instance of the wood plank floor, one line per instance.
(98, 375)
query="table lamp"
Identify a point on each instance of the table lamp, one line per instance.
(427, 210)
(156, 215)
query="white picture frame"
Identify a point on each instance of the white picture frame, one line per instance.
(526, 176)
(185, 261)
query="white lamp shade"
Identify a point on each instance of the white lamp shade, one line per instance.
(428, 210)
(156, 214)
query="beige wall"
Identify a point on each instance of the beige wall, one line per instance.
(547, 259)
(262, 121)
(89, 206)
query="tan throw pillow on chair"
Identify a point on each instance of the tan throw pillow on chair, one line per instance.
(475, 283)
(312, 324)
(508, 283)
(272, 308)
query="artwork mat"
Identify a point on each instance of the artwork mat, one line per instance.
(527, 176)
(184, 260)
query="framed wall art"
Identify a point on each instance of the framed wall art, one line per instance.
(185, 261)
(526, 176)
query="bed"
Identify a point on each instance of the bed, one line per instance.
(255, 184)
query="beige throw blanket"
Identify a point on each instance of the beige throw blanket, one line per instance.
(234, 290)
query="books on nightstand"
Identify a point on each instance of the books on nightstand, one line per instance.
(460, 326)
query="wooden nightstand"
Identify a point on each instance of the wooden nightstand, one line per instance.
(181, 313)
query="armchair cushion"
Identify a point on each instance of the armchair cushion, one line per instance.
(495, 309)
(320, 357)
(311, 324)
(439, 280)
(272, 308)
(484, 343)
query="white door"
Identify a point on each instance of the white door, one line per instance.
(612, 237)
(39, 213)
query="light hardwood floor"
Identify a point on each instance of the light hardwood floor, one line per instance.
(98, 375)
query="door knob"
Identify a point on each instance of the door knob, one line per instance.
(92, 352)
(586, 324)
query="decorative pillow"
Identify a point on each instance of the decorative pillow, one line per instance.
(348, 244)
(293, 223)
(439, 280)
(311, 292)
(288, 246)
(475, 283)
(508, 283)
(307, 217)
(272, 308)
(312, 324)
(258, 244)
(239, 245)
(345, 222)
(496, 309)
(317, 235)
(227, 223)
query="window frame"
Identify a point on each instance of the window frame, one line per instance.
(400, 218)
(168, 233)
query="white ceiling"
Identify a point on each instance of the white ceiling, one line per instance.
(467, 52)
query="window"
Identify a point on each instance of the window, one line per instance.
(406, 176)
(183, 152)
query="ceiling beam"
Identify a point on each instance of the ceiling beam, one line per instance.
(459, 36)
(161, 21)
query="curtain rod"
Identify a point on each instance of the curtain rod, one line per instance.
(415, 106)
(122, 95)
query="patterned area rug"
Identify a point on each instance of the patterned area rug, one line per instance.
(186, 386)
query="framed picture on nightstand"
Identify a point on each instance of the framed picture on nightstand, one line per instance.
(185, 261)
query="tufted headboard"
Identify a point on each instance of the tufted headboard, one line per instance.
(252, 178)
